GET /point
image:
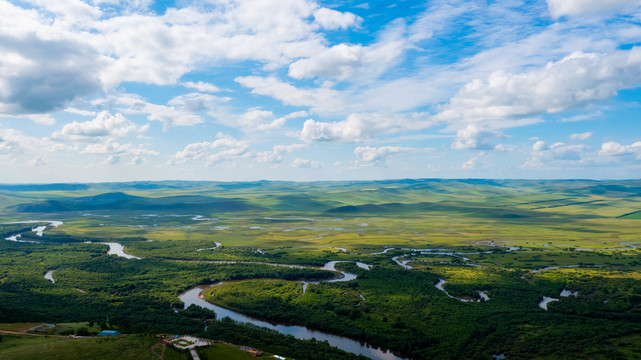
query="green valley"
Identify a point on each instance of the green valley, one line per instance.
(422, 268)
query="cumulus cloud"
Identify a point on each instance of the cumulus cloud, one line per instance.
(353, 62)
(41, 119)
(260, 120)
(225, 147)
(214, 31)
(581, 136)
(319, 99)
(369, 154)
(42, 75)
(275, 155)
(612, 148)
(74, 11)
(560, 8)
(304, 163)
(103, 126)
(338, 61)
(357, 62)
(114, 148)
(542, 152)
(470, 164)
(80, 112)
(358, 127)
(576, 80)
(476, 137)
(37, 161)
(182, 110)
(201, 86)
(196, 102)
(332, 19)
(12, 142)
(55, 51)
(540, 145)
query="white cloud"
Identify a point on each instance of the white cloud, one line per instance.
(136, 160)
(437, 17)
(581, 136)
(369, 154)
(319, 99)
(581, 117)
(476, 137)
(539, 146)
(201, 86)
(612, 148)
(358, 127)
(80, 112)
(181, 113)
(304, 163)
(38, 161)
(276, 154)
(75, 48)
(560, 8)
(72, 12)
(354, 62)
(503, 148)
(470, 164)
(260, 120)
(332, 19)
(557, 151)
(576, 80)
(105, 125)
(12, 142)
(41, 119)
(208, 32)
(42, 65)
(339, 61)
(228, 149)
(113, 148)
(111, 160)
(196, 102)
(296, 114)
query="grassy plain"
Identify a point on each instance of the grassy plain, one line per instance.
(478, 235)
(116, 348)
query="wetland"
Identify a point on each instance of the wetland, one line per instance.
(417, 269)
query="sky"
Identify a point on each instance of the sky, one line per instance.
(237, 90)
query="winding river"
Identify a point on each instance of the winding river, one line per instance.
(119, 250)
(49, 276)
(482, 294)
(193, 296)
(39, 230)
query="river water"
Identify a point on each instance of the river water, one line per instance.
(118, 249)
(300, 332)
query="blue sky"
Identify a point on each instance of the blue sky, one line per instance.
(110, 90)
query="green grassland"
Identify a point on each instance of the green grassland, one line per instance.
(479, 235)
(222, 351)
(116, 348)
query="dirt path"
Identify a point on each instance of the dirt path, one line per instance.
(30, 334)
(154, 349)
(194, 354)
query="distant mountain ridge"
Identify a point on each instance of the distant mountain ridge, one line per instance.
(122, 201)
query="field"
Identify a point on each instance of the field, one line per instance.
(121, 347)
(514, 241)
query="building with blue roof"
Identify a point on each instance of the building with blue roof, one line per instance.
(108, 333)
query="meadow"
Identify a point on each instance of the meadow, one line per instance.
(514, 241)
